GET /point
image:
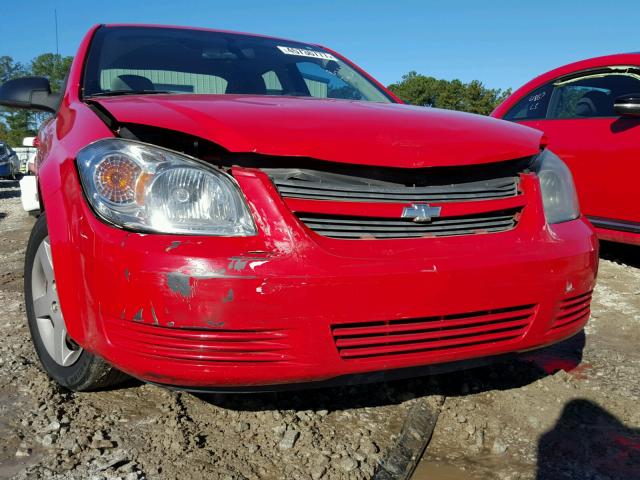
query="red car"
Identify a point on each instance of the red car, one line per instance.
(224, 210)
(590, 114)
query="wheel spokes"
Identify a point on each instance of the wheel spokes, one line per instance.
(42, 306)
(51, 326)
(60, 350)
(43, 256)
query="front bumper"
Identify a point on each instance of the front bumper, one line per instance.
(289, 306)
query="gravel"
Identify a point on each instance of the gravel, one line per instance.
(572, 412)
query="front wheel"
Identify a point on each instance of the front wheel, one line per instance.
(62, 359)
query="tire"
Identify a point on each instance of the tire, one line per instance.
(61, 358)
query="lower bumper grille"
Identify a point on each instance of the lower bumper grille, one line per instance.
(419, 335)
(340, 226)
(237, 346)
(572, 311)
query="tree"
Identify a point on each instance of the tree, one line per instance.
(425, 91)
(53, 66)
(16, 124)
(20, 124)
(10, 69)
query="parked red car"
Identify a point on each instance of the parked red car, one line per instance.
(590, 113)
(224, 210)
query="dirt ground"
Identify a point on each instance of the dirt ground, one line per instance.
(569, 413)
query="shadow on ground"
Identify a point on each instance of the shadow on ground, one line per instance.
(621, 253)
(587, 442)
(506, 375)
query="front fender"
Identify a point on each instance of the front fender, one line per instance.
(74, 127)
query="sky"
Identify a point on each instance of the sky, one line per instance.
(501, 43)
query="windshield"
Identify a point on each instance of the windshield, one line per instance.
(126, 60)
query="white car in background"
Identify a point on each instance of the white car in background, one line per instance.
(27, 155)
(28, 185)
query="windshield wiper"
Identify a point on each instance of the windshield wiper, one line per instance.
(113, 93)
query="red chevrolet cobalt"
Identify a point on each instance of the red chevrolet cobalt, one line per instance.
(231, 211)
(590, 112)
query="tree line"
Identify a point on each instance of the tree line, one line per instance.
(413, 88)
(16, 124)
(425, 91)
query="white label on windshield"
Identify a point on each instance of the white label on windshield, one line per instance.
(303, 52)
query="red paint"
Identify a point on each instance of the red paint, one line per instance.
(554, 363)
(335, 130)
(274, 308)
(627, 442)
(617, 236)
(601, 152)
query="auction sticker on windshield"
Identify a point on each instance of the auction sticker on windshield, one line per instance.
(303, 52)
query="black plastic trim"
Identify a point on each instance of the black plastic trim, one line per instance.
(611, 224)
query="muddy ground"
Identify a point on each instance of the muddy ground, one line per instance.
(569, 413)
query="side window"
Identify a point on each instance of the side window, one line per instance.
(591, 95)
(272, 83)
(533, 106)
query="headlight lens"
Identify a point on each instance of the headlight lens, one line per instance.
(558, 191)
(147, 188)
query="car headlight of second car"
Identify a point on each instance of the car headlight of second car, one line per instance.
(558, 190)
(147, 188)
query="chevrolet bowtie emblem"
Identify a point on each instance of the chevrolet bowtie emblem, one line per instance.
(421, 212)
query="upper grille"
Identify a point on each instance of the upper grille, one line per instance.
(573, 311)
(317, 185)
(422, 335)
(342, 226)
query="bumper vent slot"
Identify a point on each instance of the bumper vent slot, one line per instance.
(347, 227)
(433, 334)
(202, 346)
(573, 311)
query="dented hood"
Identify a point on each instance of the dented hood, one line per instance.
(334, 130)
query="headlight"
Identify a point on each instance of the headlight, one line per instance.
(558, 191)
(148, 188)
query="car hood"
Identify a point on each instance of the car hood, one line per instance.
(334, 130)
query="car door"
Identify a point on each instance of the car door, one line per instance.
(601, 149)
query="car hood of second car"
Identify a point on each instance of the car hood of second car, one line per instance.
(334, 130)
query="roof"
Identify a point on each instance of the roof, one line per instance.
(204, 29)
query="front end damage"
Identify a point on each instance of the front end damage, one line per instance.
(303, 302)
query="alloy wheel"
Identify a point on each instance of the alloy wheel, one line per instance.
(46, 307)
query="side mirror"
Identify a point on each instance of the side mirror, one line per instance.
(31, 93)
(627, 105)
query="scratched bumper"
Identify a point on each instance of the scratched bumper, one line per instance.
(225, 312)
(289, 306)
